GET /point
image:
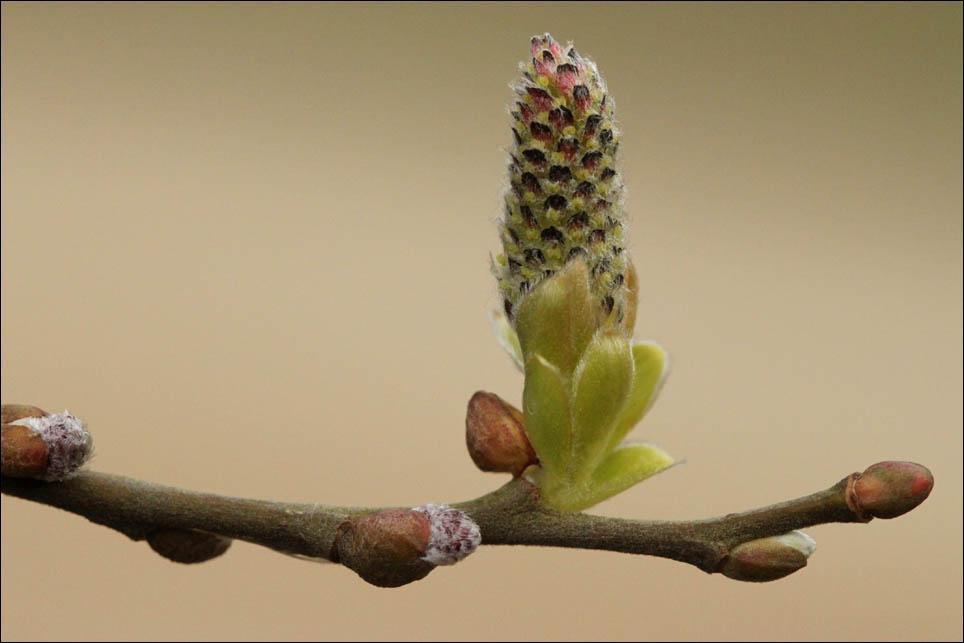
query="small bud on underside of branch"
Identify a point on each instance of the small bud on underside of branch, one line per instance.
(38, 445)
(187, 545)
(889, 489)
(767, 559)
(495, 435)
(395, 547)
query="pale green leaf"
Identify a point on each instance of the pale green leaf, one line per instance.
(546, 408)
(601, 384)
(619, 470)
(627, 465)
(651, 368)
(558, 318)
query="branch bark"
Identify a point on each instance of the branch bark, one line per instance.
(510, 515)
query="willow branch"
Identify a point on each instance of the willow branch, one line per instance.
(511, 515)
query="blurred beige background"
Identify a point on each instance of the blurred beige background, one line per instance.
(249, 244)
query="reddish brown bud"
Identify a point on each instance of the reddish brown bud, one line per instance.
(767, 559)
(889, 489)
(187, 545)
(386, 548)
(23, 452)
(495, 435)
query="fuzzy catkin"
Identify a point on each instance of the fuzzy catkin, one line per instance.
(565, 194)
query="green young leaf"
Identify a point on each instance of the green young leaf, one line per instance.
(619, 470)
(601, 384)
(624, 467)
(651, 368)
(548, 422)
(557, 319)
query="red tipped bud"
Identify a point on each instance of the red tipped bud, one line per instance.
(767, 559)
(46, 447)
(890, 489)
(495, 435)
(187, 545)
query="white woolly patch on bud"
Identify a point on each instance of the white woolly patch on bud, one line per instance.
(453, 534)
(799, 541)
(69, 444)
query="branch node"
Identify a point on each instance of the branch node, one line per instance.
(853, 502)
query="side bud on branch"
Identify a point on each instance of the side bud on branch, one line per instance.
(394, 547)
(35, 444)
(767, 559)
(495, 435)
(385, 548)
(187, 546)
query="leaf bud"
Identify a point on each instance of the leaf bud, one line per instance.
(385, 548)
(767, 559)
(187, 546)
(890, 489)
(495, 435)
